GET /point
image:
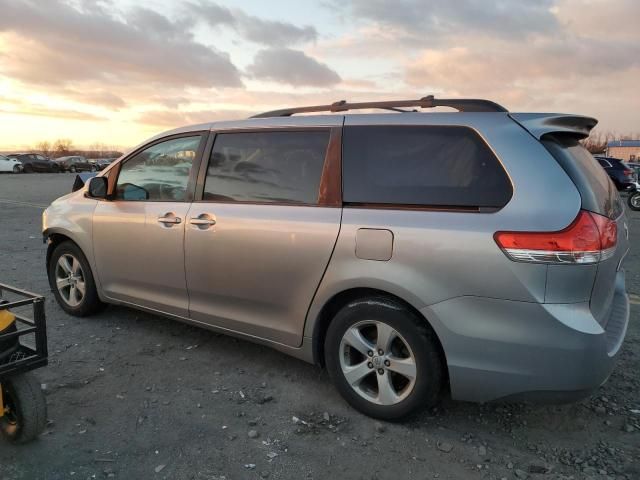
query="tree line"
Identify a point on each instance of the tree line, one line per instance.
(64, 147)
(597, 140)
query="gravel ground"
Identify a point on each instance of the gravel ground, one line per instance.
(131, 395)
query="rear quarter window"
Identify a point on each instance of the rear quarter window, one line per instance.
(596, 189)
(440, 166)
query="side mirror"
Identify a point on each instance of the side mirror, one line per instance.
(97, 188)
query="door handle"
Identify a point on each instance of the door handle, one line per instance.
(169, 220)
(203, 221)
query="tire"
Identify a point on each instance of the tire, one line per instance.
(412, 339)
(634, 201)
(27, 414)
(16, 169)
(77, 294)
(72, 169)
(28, 169)
(93, 169)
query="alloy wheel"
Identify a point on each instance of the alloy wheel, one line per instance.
(377, 362)
(70, 280)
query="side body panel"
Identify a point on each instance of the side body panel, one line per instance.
(439, 255)
(257, 269)
(139, 259)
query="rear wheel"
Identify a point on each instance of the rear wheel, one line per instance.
(93, 168)
(16, 169)
(72, 282)
(384, 359)
(25, 414)
(634, 201)
(72, 169)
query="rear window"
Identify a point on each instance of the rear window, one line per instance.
(598, 192)
(421, 165)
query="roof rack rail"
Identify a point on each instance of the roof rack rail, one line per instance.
(461, 104)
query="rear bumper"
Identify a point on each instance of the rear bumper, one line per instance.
(500, 348)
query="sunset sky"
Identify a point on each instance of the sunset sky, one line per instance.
(118, 71)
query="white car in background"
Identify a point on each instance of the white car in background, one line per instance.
(10, 164)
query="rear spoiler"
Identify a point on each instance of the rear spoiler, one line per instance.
(540, 124)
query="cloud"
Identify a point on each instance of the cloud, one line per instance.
(167, 118)
(97, 97)
(55, 43)
(425, 18)
(38, 111)
(271, 33)
(292, 67)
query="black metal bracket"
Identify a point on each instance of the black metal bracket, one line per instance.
(26, 357)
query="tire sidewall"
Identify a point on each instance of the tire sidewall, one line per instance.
(9, 431)
(90, 302)
(30, 409)
(629, 201)
(414, 331)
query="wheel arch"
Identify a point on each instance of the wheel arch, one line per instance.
(332, 306)
(53, 240)
(55, 237)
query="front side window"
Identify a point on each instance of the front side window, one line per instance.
(159, 173)
(267, 167)
(421, 165)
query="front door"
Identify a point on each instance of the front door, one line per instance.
(258, 241)
(138, 236)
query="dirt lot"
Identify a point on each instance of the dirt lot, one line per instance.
(135, 396)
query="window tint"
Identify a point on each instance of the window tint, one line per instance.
(597, 191)
(267, 167)
(160, 172)
(416, 165)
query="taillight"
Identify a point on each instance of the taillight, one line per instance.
(627, 173)
(589, 239)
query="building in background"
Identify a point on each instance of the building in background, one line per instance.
(627, 150)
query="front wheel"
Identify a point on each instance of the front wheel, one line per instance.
(384, 359)
(72, 169)
(16, 169)
(634, 201)
(72, 282)
(25, 414)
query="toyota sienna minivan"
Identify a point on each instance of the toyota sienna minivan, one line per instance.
(475, 252)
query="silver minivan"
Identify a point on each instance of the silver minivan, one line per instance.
(476, 252)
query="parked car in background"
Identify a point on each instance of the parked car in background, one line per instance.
(76, 163)
(634, 197)
(10, 164)
(623, 176)
(476, 252)
(34, 162)
(102, 163)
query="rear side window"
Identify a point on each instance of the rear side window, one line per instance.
(421, 165)
(267, 167)
(597, 191)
